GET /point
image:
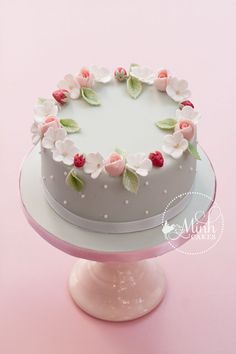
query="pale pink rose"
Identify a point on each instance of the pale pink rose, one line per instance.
(48, 122)
(186, 127)
(161, 80)
(115, 164)
(85, 78)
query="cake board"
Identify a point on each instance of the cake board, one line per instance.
(117, 277)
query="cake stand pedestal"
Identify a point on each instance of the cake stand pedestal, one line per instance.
(117, 291)
(117, 277)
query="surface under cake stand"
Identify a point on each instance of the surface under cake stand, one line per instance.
(117, 277)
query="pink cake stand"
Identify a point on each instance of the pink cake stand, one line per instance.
(117, 277)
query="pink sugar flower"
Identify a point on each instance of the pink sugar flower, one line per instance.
(115, 164)
(186, 127)
(85, 78)
(161, 80)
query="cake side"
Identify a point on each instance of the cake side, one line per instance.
(105, 198)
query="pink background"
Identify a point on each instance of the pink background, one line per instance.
(40, 42)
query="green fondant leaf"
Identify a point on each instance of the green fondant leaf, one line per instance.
(193, 151)
(121, 152)
(90, 96)
(134, 87)
(166, 124)
(70, 125)
(74, 181)
(130, 181)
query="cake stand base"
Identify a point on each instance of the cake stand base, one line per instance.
(117, 291)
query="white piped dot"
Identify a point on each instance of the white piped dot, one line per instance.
(126, 201)
(146, 183)
(65, 173)
(82, 196)
(146, 212)
(180, 167)
(105, 186)
(105, 216)
(165, 191)
(191, 169)
(52, 177)
(65, 202)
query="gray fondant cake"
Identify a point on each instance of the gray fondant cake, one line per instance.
(116, 151)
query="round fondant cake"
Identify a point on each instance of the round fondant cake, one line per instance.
(116, 149)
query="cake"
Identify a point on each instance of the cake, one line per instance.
(117, 148)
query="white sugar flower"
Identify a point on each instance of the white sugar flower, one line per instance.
(64, 151)
(70, 84)
(94, 164)
(36, 134)
(44, 108)
(52, 135)
(143, 74)
(101, 74)
(139, 163)
(188, 113)
(177, 89)
(174, 145)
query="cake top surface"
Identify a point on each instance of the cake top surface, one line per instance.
(119, 121)
(122, 125)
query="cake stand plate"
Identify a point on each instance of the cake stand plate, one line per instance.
(117, 277)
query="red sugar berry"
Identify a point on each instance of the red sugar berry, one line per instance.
(120, 74)
(186, 103)
(156, 158)
(61, 96)
(79, 160)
